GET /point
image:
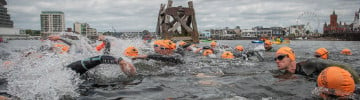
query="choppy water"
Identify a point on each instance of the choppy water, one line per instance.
(200, 78)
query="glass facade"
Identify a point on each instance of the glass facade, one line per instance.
(4, 17)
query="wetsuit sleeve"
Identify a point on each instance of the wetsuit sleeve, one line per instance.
(86, 64)
(67, 41)
(299, 69)
(73, 45)
(174, 59)
(109, 60)
(237, 54)
(315, 66)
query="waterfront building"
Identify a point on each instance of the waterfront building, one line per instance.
(132, 34)
(262, 32)
(277, 31)
(226, 33)
(205, 34)
(7, 29)
(298, 30)
(237, 30)
(334, 26)
(5, 20)
(84, 29)
(52, 22)
(248, 33)
(217, 33)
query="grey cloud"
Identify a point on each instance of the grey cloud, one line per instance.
(142, 14)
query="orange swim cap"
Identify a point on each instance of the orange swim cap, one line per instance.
(267, 42)
(208, 52)
(131, 52)
(157, 42)
(227, 55)
(322, 52)
(239, 48)
(213, 43)
(182, 43)
(337, 79)
(166, 43)
(288, 51)
(62, 47)
(346, 52)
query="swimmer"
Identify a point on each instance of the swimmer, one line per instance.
(227, 55)
(104, 44)
(82, 66)
(285, 60)
(165, 52)
(268, 46)
(131, 52)
(321, 53)
(346, 51)
(335, 83)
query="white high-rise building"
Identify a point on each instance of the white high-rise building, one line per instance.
(77, 27)
(52, 22)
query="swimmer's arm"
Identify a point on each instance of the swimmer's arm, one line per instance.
(54, 38)
(198, 50)
(165, 58)
(67, 41)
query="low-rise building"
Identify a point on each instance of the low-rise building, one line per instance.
(84, 29)
(205, 34)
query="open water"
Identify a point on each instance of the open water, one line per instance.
(43, 76)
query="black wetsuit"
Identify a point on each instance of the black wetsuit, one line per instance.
(313, 67)
(84, 65)
(175, 58)
(107, 47)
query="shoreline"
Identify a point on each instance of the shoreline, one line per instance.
(309, 39)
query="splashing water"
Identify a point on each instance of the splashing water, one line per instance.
(118, 46)
(31, 78)
(42, 74)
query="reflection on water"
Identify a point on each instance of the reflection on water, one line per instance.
(46, 78)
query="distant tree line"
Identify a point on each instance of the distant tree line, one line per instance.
(32, 32)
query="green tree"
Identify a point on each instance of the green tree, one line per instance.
(29, 32)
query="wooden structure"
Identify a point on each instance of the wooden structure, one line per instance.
(177, 23)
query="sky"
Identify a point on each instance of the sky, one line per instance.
(139, 15)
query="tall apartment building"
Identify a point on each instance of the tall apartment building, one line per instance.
(4, 17)
(52, 22)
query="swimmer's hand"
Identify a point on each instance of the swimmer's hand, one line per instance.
(127, 68)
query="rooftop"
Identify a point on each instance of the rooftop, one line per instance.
(52, 12)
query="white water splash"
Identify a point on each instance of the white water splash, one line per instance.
(42, 74)
(42, 78)
(118, 47)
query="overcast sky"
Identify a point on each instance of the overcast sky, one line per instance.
(138, 15)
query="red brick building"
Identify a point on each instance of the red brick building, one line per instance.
(334, 26)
